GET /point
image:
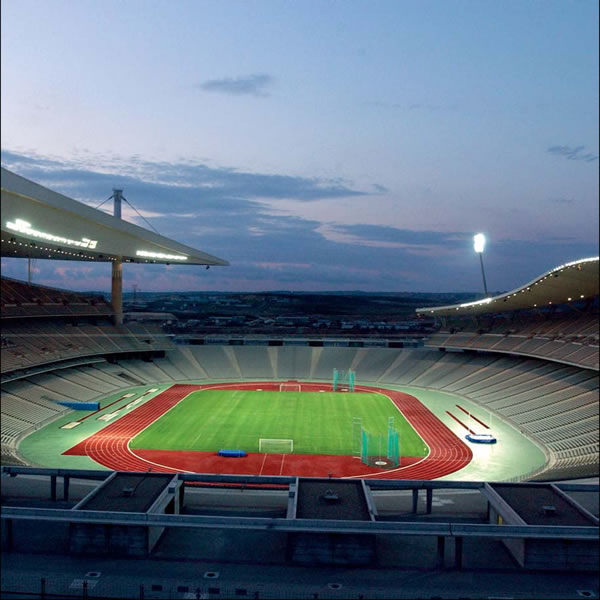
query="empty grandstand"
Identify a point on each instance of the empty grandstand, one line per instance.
(49, 361)
(51, 357)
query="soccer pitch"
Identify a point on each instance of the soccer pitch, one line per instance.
(317, 422)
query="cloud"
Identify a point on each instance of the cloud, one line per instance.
(280, 266)
(189, 184)
(572, 153)
(383, 236)
(431, 107)
(73, 271)
(562, 200)
(414, 106)
(380, 188)
(250, 85)
(222, 211)
(218, 210)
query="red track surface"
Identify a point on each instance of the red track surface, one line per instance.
(304, 465)
(110, 446)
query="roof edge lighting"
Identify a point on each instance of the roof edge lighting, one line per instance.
(160, 255)
(476, 302)
(24, 227)
(528, 287)
(575, 262)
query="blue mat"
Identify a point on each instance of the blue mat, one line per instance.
(232, 453)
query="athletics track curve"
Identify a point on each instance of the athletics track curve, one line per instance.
(110, 446)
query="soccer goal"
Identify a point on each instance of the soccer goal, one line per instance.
(290, 387)
(274, 446)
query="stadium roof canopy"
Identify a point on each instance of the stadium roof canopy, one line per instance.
(566, 283)
(40, 223)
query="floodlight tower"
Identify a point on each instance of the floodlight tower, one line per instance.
(479, 244)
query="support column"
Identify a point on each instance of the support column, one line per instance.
(53, 487)
(116, 298)
(441, 547)
(66, 480)
(429, 498)
(415, 500)
(181, 496)
(7, 535)
(458, 552)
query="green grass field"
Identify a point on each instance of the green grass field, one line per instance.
(317, 422)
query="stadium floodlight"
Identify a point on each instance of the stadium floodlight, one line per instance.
(479, 244)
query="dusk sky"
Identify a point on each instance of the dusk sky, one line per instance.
(315, 145)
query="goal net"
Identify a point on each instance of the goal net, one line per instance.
(290, 387)
(269, 445)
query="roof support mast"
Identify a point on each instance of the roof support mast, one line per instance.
(117, 197)
(116, 298)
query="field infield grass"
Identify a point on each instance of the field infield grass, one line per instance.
(317, 422)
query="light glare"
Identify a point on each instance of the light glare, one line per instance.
(479, 242)
(23, 226)
(160, 255)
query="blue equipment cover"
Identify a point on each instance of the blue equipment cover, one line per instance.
(81, 405)
(232, 453)
(481, 438)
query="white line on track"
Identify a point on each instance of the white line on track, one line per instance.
(263, 465)
(282, 461)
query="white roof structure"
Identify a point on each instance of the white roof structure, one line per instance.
(566, 283)
(40, 223)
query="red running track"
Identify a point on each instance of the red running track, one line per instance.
(110, 446)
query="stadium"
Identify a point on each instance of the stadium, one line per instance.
(499, 403)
